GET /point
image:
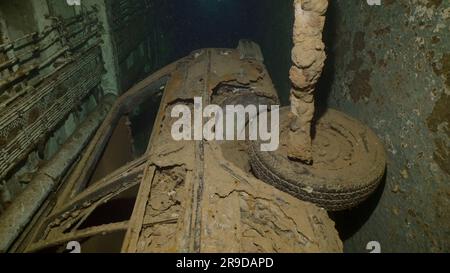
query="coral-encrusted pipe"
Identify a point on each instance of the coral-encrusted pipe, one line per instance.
(308, 57)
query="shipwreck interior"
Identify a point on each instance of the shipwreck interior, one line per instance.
(86, 89)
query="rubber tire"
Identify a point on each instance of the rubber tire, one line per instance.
(333, 185)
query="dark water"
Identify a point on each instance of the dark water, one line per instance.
(213, 23)
(196, 24)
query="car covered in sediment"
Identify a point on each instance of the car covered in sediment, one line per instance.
(137, 189)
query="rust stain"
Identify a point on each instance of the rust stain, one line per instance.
(360, 87)
(440, 114)
(382, 63)
(355, 64)
(435, 39)
(359, 43)
(442, 154)
(439, 120)
(442, 68)
(382, 31)
(372, 56)
(433, 3)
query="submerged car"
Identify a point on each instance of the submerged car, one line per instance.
(136, 189)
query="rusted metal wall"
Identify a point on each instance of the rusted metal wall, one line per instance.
(49, 80)
(389, 67)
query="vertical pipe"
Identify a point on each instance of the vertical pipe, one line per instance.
(308, 57)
